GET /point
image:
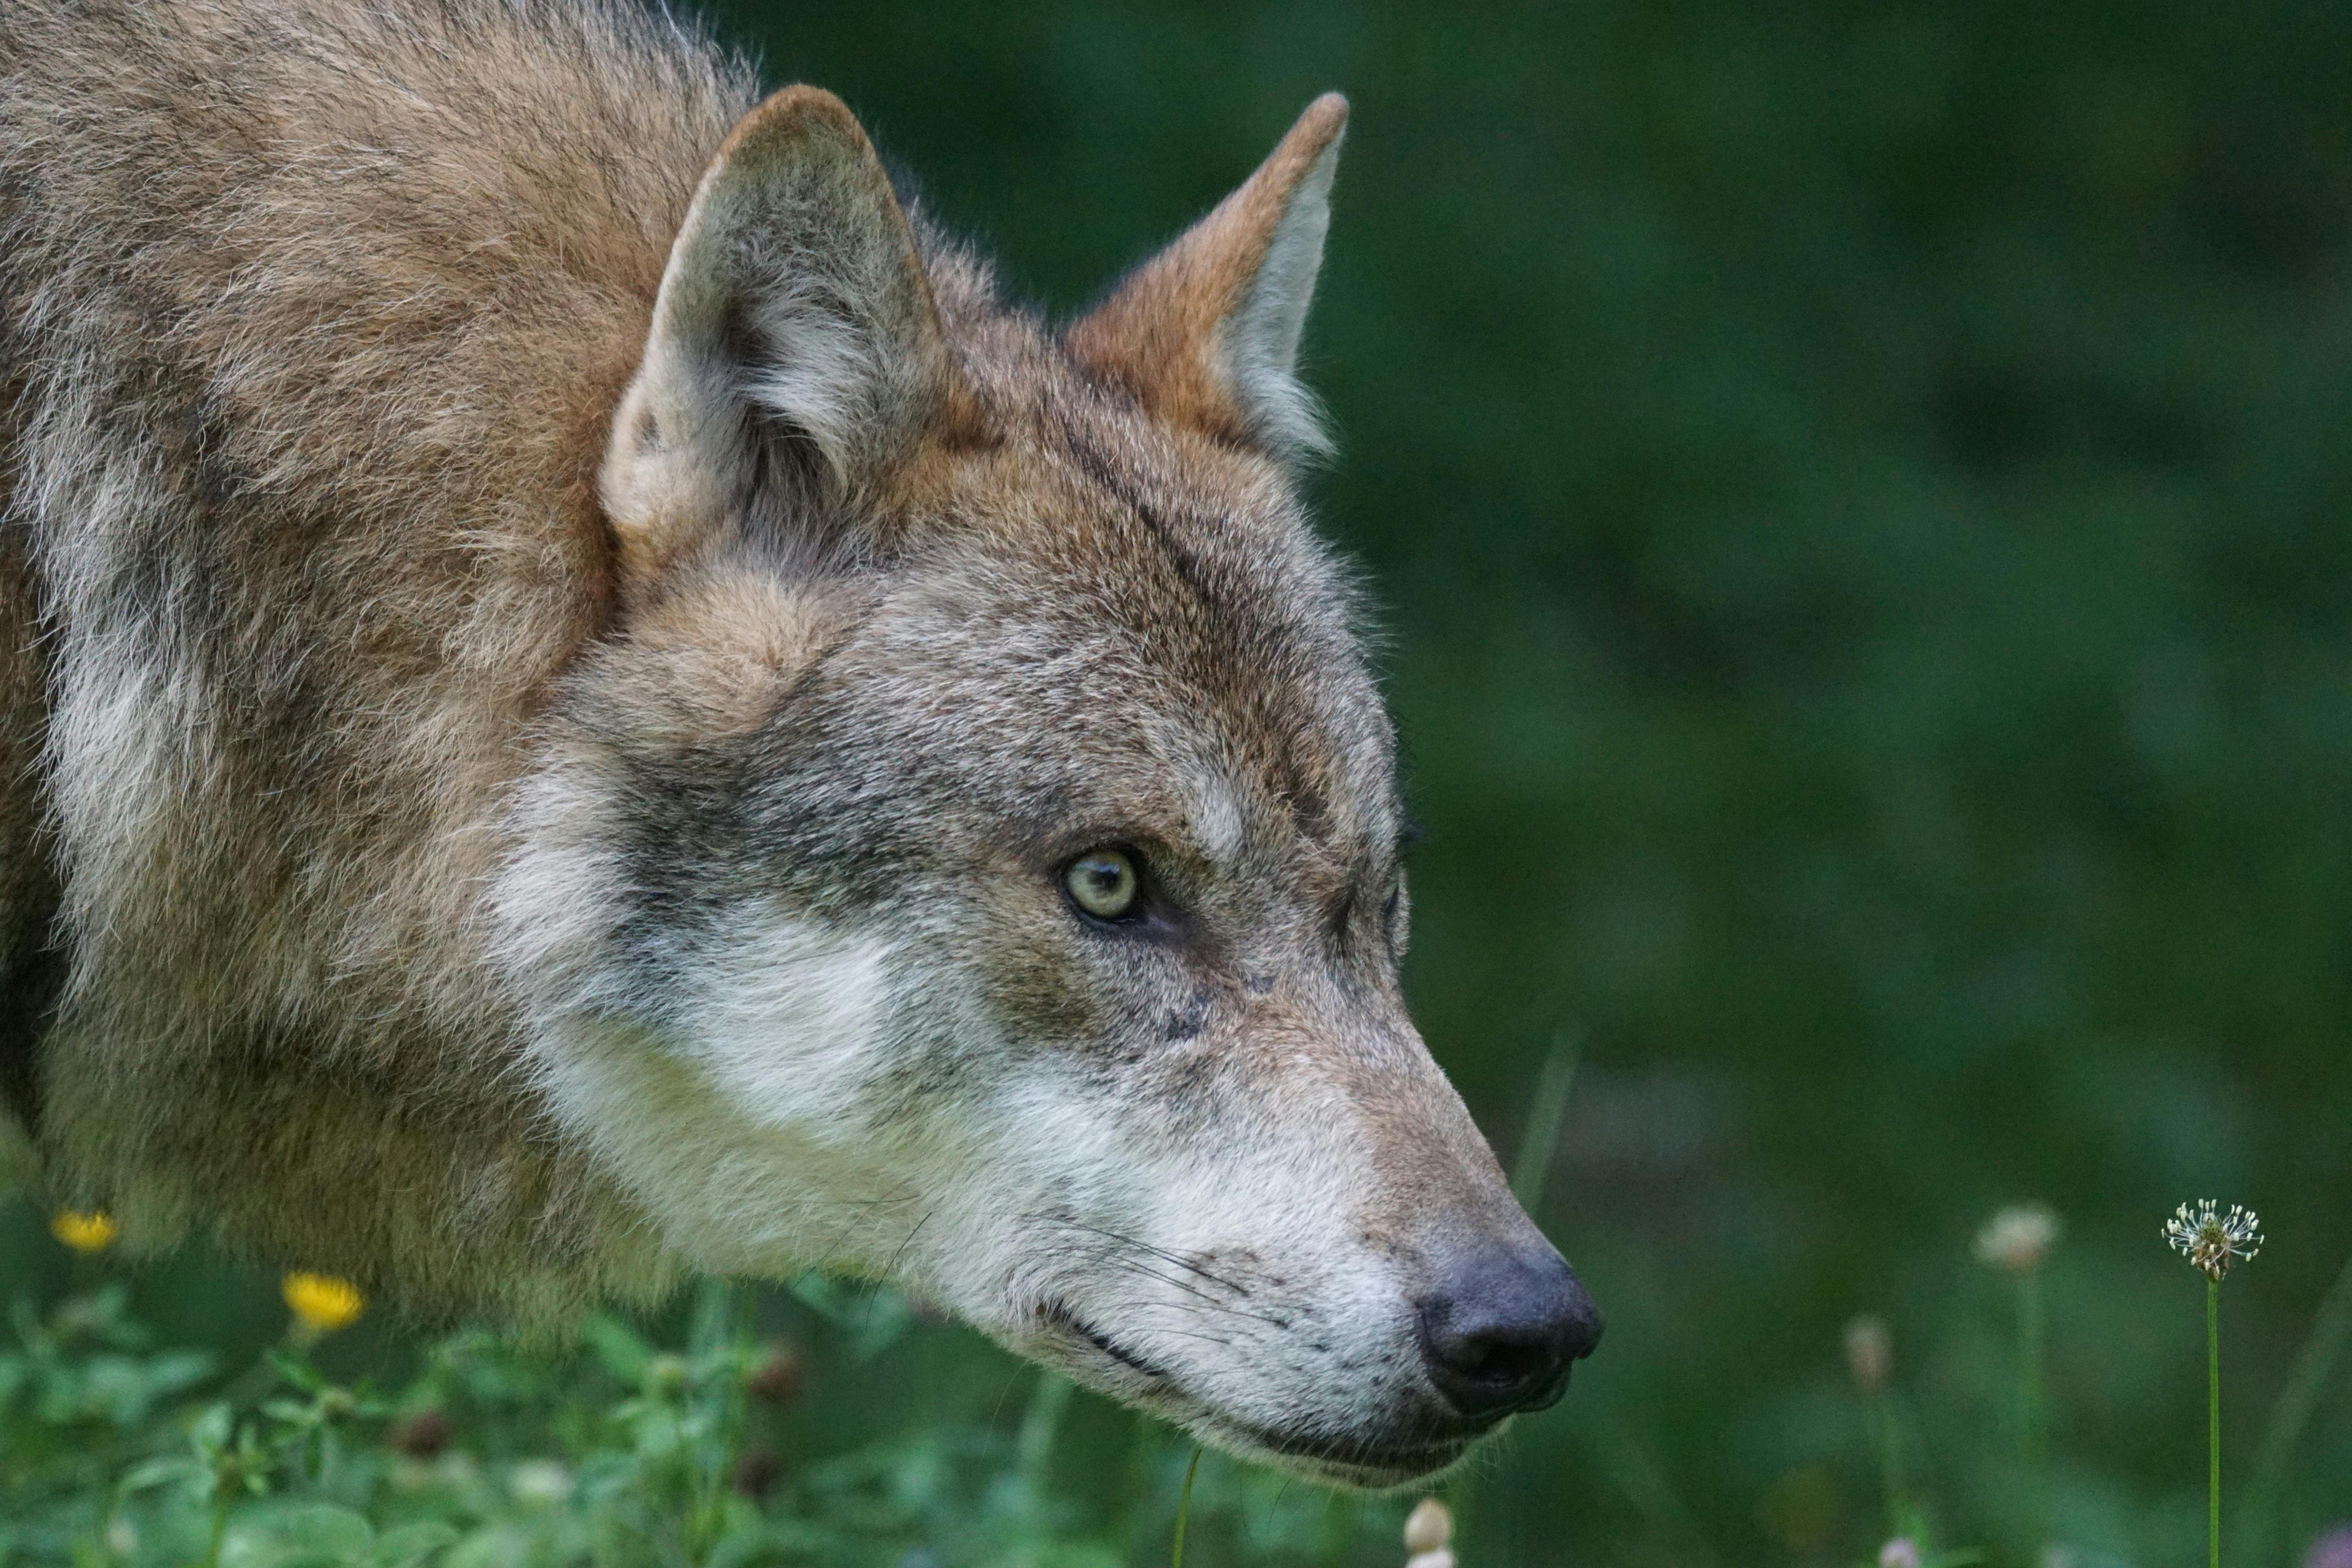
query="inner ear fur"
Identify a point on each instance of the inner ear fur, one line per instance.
(1205, 334)
(794, 341)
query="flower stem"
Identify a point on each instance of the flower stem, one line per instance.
(2032, 1440)
(1900, 1511)
(2029, 1333)
(219, 1532)
(1546, 1107)
(2213, 1421)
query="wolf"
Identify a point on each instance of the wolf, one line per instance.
(583, 698)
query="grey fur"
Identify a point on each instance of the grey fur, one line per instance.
(509, 854)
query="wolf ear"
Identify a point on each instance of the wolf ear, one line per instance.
(794, 341)
(1206, 333)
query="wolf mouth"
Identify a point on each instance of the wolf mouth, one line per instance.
(1358, 1462)
(1059, 1314)
(1348, 1460)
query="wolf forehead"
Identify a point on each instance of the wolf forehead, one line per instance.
(1112, 621)
(1079, 622)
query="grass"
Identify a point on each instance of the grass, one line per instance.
(673, 1443)
(686, 1443)
(2291, 1415)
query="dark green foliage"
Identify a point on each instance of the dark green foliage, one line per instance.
(473, 1452)
(1864, 497)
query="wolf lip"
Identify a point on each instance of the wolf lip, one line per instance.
(1345, 1459)
(1385, 1466)
(1059, 1315)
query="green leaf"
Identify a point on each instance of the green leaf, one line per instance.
(161, 1473)
(624, 1355)
(761, 1541)
(296, 1535)
(210, 1431)
(301, 1374)
(885, 1318)
(408, 1546)
(823, 1296)
(173, 1371)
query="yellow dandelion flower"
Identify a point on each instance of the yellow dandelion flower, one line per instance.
(92, 1232)
(323, 1302)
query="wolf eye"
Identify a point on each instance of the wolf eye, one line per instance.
(1103, 883)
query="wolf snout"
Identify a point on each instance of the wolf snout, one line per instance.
(1501, 1329)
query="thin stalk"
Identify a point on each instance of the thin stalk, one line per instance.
(1185, 1511)
(1040, 1426)
(2213, 1421)
(2032, 1439)
(2331, 1329)
(1541, 1136)
(719, 1335)
(2029, 1333)
(1626, 1459)
(219, 1532)
(1890, 1464)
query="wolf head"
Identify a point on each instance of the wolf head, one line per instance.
(973, 861)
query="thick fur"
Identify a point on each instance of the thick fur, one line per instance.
(556, 643)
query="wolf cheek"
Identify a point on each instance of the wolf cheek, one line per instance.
(1302, 1254)
(1263, 1240)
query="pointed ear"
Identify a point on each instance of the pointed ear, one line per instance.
(794, 348)
(1206, 333)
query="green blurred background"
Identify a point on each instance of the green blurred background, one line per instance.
(1859, 496)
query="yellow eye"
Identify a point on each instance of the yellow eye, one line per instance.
(1103, 883)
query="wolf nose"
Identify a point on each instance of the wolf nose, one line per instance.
(1499, 1334)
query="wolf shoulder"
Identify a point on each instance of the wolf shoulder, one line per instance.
(311, 319)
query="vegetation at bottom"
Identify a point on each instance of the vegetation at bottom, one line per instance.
(702, 1442)
(689, 1442)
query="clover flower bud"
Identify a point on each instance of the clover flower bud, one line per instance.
(2333, 1550)
(422, 1436)
(778, 1377)
(2018, 1238)
(1869, 1353)
(755, 1472)
(2213, 1241)
(665, 1374)
(1426, 1531)
(539, 1483)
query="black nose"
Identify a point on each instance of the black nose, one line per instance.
(1499, 1333)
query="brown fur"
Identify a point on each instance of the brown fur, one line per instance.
(374, 281)
(559, 649)
(1157, 336)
